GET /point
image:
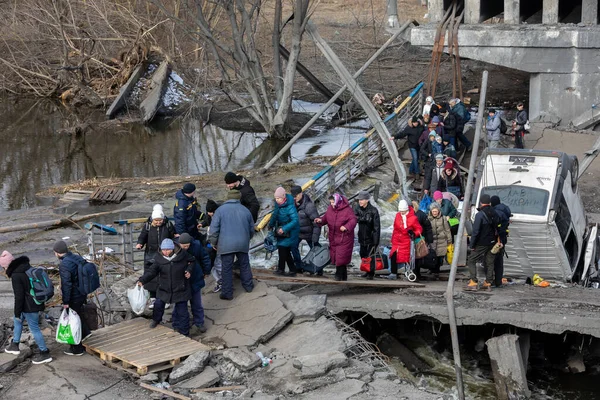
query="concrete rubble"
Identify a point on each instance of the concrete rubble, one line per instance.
(242, 358)
(191, 366)
(507, 367)
(315, 365)
(309, 308)
(207, 378)
(9, 361)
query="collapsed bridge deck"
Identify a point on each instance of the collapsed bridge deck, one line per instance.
(552, 310)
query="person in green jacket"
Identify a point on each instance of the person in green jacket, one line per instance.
(286, 225)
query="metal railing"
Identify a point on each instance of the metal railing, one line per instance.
(366, 153)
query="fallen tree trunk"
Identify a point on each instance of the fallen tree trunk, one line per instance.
(57, 223)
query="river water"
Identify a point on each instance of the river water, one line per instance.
(35, 154)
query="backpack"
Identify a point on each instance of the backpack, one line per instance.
(89, 279)
(467, 117)
(503, 127)
(41, 287)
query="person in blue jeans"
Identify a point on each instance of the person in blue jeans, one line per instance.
(174, 267)
(231, 229)
(412, 133)
(201, 268)
(25, 308)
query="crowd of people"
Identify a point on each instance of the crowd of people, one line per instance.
(440, 132)
(179, 255)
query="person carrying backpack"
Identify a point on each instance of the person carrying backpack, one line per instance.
(73, 297)
(25, 307)
(483, 239)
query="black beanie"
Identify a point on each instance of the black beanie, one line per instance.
(295, 190)
(211, 206)
(231, 177)
(485, 199)
(188, 188)
(494, 200)
(185, 238)
(60, 247)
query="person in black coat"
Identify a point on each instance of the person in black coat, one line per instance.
(25, 307)
(427, 235)
(504, 214)
(369, 230)
(248, 200)
(450, 125)
(309, 231)
(174, 267)
(72, 296)
(412, 134)
(154, 231)
(483, 239)
(519, 126)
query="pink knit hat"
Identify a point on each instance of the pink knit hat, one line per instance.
(437, 195)
(5, 259)
(280, 192)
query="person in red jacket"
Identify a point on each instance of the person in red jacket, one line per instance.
(406, 229)
(340, 220)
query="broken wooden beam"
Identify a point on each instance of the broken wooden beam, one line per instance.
(150, 105)
(124, 92)
(56, 223)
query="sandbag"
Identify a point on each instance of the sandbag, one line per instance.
(69, 327)
(138, 297)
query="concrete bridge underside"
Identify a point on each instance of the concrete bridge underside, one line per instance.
(556, 41)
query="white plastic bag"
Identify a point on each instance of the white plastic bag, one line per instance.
(138, 297)
(69, 327)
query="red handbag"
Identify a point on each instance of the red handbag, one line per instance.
(365, 264)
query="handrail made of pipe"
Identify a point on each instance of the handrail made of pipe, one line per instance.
(323, 173)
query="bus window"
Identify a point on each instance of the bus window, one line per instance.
(521, 199)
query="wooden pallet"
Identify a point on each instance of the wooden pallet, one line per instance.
(76, 195)
(108, 195)
(263, 274)
(134, 346)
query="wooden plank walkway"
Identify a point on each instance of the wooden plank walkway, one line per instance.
(108, 195)
(263, 274)
(134, 346)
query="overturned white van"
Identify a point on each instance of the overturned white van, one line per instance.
(548, 230)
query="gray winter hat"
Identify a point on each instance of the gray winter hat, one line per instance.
(363, 195)
(185, 238)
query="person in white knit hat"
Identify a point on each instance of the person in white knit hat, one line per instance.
(154, 231)
(406, 229)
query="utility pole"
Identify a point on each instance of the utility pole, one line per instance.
(459, 237)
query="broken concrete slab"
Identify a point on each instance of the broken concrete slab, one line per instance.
(507, 367)
(191, 366)
(360, 370)
(249, 319)
(206, 378)
(343, 390)
(315, 365)
(309, 308)
(309, 338)
(242, 358)
(392, 347)
(150, 105)
(148, 378)
(10, 361)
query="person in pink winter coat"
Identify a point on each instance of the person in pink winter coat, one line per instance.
(340, 220)
(406, 229)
